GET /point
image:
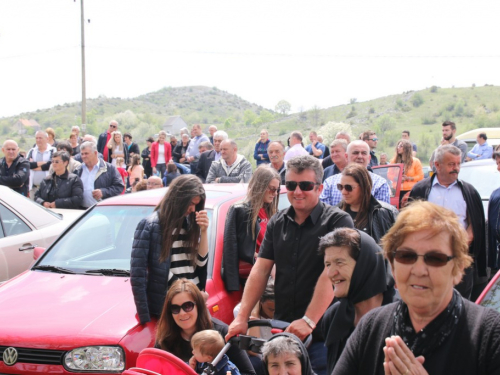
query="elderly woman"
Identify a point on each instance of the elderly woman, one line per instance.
(432, 330)
(358, 273)
(284, 353)
(369, 215)
(60, 189)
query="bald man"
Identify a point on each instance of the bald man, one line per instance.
(14, 169)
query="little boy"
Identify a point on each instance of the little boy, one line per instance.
(206, 345)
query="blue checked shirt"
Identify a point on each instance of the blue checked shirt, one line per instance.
(332, 196)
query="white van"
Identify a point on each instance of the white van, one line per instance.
(470, 137)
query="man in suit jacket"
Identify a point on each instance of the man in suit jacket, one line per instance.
(208, 157)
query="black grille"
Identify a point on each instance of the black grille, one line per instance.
(38, 356)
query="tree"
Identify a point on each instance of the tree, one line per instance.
(283, 107)
(249, 117)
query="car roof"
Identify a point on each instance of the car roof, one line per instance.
(476, 163)
(216, 193)
(36, 214)
(493, 133)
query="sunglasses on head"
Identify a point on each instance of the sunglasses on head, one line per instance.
(433, 258)
(186, 306)
(303, 185)
(347, 187)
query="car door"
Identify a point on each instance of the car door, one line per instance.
(393, 173)
(15, 233)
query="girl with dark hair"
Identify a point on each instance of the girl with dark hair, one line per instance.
(184, 314)
(412, 172)
(172, 173)
(246, 225)
(369, 215)
(169, 244)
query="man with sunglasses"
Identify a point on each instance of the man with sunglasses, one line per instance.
(446, 190)
(302, 288)
(104, 139)
(371, 140)
(357, 152)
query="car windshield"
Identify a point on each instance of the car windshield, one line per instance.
(485, 178)
(101, 240)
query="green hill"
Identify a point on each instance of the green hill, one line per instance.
(421, 112)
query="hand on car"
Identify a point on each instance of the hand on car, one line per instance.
(202, 220)
(399, 360)
(299, 328)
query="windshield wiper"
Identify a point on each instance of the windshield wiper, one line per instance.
(110, 272)
(53, 269)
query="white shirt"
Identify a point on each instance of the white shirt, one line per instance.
(161, 153)
(296, 150)
(88, 178)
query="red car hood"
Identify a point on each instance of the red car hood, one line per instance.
(54, 311)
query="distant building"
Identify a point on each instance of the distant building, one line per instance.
(174, 124)
(22, 125)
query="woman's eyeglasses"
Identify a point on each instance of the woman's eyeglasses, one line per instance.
(347, 187)
(303, 185)
(186, 306)
(433, 258)
(273, 190)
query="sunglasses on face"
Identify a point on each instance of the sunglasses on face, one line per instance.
(347, 187)
(433, 258)
(113, 126)
(303, 185)
(186, 306)
(373, 139)
(273, 190)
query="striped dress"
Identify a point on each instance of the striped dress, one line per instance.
(181, 265)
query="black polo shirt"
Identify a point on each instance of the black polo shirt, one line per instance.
(294, 250)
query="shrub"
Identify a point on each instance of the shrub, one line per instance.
(428, 120)
(434, 89)
(372, 110)
(417, 100)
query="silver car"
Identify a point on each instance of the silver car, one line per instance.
(25, 224)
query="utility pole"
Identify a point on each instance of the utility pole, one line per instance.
(84, 96)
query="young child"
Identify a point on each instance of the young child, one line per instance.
(206, 345)
(119, 166)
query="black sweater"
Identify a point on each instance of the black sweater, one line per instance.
(472, 349)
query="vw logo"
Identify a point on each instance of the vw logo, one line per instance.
(10, 356)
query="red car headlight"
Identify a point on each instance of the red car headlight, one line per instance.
(92, 358)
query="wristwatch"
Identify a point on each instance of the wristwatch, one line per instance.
(309, 322)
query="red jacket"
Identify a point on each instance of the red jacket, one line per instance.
(154, 153)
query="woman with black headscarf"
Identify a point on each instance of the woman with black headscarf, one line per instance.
(358, 273)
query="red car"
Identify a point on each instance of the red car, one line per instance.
(73, 311)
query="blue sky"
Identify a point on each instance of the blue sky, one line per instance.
(307, 52)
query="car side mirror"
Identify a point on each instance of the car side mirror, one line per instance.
(37, 252)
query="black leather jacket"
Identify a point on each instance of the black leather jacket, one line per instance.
(238, 243)
(65, 190)
(381, 219)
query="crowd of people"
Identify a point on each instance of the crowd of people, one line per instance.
(379, 290)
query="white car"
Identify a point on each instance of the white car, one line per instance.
(25, 224)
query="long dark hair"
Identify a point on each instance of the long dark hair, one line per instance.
(168, 333)
(360, 174)
(171, 212)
